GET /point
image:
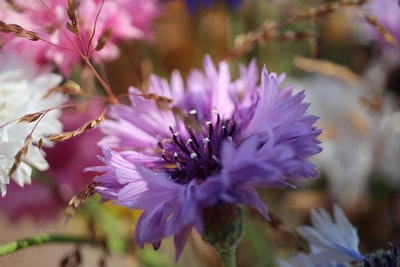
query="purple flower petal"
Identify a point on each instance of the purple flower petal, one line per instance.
(215, 143)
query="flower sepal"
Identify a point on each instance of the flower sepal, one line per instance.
(223, 229)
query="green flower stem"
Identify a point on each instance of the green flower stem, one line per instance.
(41, 240)
(227, 256)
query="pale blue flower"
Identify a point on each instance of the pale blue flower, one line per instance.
(331, 239)
(333, 242)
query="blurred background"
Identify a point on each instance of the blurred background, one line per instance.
(350, 69)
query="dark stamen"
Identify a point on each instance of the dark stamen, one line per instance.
(194, 154)
(218, 119)
(166, 159)
(224, 131)
(209, 148)
(191, 143)
(193, 112)
(181, 146)
(160, 145)
(190, 130)
(210, 129)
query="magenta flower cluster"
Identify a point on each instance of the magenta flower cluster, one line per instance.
(124, 19)
(216, 142)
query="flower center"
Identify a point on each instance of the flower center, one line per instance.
(194, 152)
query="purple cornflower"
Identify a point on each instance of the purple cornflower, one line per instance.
(211, 146)
(192, 5)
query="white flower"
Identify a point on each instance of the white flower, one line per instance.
(348, 138)
(22, 87)
(358, 142)
(388, 150)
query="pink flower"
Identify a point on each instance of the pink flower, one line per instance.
(127, 19)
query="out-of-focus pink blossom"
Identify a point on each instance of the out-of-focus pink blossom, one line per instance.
(50, 191)
(36, 200)
(127, 19)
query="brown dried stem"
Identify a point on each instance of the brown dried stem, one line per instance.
(328, 68)
(19, 157)
(72, 12)
(270, 30)
(84, 128)
(386, 35)
(18, 31)
(77, 200)
(94, 28)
